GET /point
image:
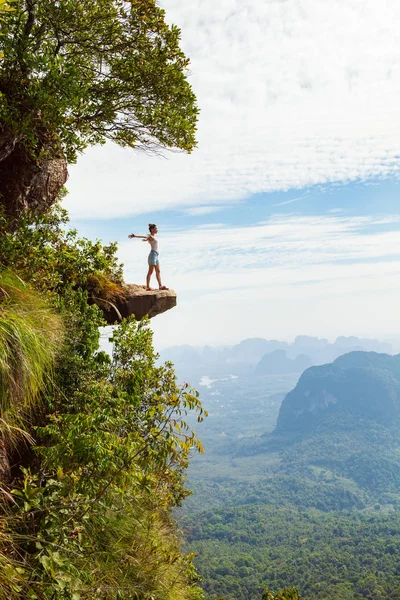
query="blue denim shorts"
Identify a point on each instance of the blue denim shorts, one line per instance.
(153, 258)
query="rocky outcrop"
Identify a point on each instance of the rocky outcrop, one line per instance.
(137, 301)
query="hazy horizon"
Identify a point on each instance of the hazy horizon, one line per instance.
(395, 342)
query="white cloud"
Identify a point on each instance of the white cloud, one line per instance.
(292, 93)
(196, 211)
(325, 275)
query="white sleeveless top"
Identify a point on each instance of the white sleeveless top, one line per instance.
(153, 243)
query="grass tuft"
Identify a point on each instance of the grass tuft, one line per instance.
(30, 334)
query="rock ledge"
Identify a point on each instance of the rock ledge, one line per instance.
(139, 302)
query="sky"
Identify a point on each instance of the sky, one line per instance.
(286, 218)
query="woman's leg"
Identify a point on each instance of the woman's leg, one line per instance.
(158, 274)
(149, 274)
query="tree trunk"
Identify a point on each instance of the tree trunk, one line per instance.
(26, 182)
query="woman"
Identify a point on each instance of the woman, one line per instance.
(153, 260)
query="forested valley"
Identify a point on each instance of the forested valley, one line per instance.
(279, 501)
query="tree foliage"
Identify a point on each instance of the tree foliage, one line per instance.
(49, 254)
(284, 594)
(80, 73)
(5, 6)
(334, 556)
(90, 515)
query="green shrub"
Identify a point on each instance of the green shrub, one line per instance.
(89, 515)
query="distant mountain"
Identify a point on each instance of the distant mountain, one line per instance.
(321, 351)
(307, 341)
(336, 444)
(252, 349)
(278, 363)
(364, 344)
(342, 420)
(357, 385)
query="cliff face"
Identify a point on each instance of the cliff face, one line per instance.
(358, 385)
(140, 303)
